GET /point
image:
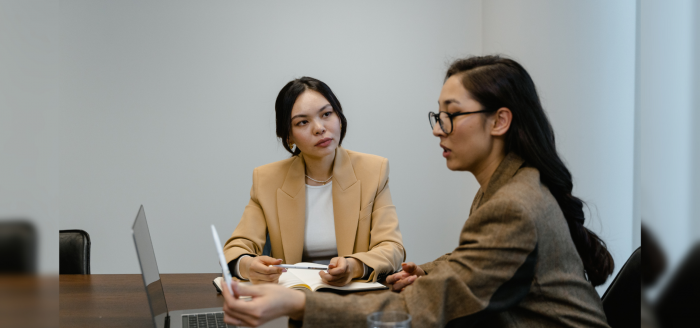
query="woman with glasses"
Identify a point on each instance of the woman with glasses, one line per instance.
(524, 258)
(325, 204)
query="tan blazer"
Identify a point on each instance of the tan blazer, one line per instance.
(515, 266)
(366, 225)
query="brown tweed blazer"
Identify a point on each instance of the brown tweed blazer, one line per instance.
(515, 266)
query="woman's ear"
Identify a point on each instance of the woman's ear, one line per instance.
(501, 124)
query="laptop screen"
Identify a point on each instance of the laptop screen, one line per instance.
(149, 269)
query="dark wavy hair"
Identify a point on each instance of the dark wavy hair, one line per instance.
(497, 82)
(288, 96)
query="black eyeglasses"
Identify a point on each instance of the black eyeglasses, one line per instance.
(445, 119)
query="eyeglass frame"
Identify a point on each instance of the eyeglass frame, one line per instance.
(451, 116)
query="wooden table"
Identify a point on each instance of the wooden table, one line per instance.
(119, 300)
(29, 301)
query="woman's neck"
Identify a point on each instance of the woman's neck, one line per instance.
(320, 168)
(487, 168)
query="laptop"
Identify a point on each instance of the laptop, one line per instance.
(162, 318)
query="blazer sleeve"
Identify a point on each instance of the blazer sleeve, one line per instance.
(386, 250)
(427, 267)
(490, 271)
(250, 234)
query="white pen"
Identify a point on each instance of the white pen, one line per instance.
(222, 259)
(292, 266)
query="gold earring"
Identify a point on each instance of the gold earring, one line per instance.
(291, 146)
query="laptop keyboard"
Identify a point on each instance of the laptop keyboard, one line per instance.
(205, 320)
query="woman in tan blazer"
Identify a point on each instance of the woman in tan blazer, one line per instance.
(524, 258)
(325, 204)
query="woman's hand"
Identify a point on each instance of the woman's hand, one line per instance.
(341, 270)
(258, 269)
(269, 302)
(403, 279)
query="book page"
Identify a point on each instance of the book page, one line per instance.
(314, 281)
(287, 279)
(290, 280)
(309, 279)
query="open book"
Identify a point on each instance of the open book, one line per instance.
(309, 279)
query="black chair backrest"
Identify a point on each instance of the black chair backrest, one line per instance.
(622, 300)
(18, 247)
(74, 249)
(679, 303)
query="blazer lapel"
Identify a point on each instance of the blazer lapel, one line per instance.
(291, 211)
(346, 202)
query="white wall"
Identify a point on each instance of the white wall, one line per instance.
(669, 137)
(28, 98)
(582, 58)
(695, 110)
(172, 106)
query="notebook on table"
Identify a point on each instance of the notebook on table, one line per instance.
(309, 279)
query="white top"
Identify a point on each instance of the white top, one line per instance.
(319, 234)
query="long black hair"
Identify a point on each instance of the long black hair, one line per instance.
(288, 96)
(497, 82)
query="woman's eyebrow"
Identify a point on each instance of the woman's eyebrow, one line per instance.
(448, 101)
(304, 115)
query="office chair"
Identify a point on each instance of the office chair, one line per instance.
(74, 249)
(18, 247)
(679, 303)
(622, 300)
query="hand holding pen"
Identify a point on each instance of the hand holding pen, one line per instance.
(261, 269)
